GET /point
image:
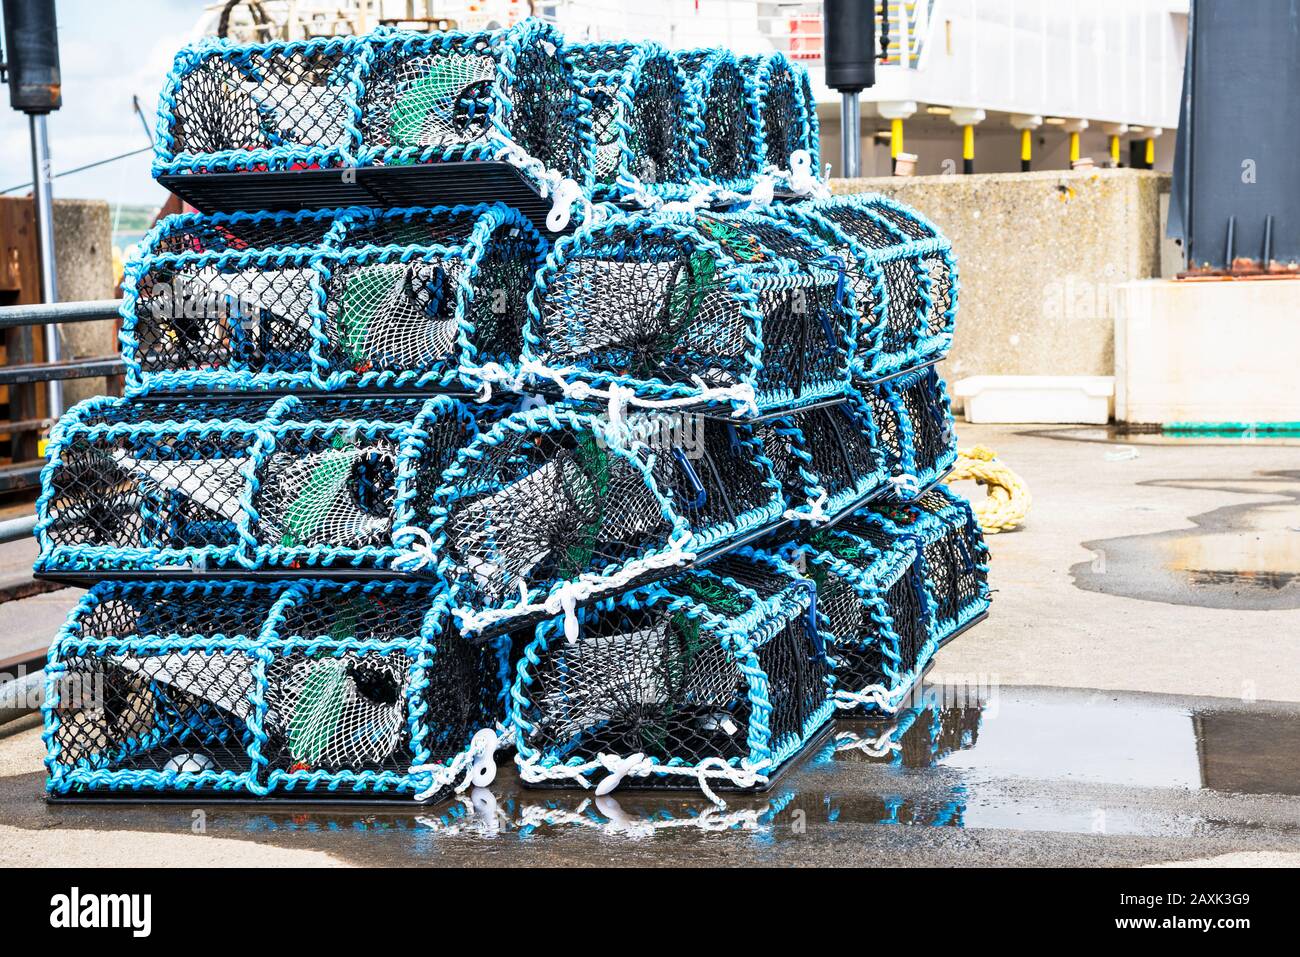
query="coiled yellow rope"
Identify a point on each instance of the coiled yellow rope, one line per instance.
(1008, 500)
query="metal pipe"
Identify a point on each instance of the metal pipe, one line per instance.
(13, 529)
(850, 136)
(45, 241)
(22, 695)
(38, 314)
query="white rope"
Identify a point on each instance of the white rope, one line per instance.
(564, 192)
(877, 695)
(477, 762)
(905, 484)
(813, 512)
(878, 747)
(618, 768)
(741, 394)
(419, 554)
(570, 594)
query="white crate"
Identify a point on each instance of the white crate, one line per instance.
(1084, 399)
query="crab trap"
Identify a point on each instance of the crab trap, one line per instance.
(554, 507)
(238, 690)
(717, 677)
(953, 551)
(243, 484)
(783, 110)
(331, 299)
(684, 310)
(386, 119)
(902, 273)
(729, 127)
(827, 458)
(914, 428)
(894, 584)
(645, 125)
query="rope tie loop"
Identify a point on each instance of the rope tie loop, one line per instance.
(419, 553)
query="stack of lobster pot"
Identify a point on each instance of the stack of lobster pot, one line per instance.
(637, 475)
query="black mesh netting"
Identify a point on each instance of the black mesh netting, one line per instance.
(889, 430)
(713, 478)
(440, 98)
(327, 488)
(225, 315)
(161, 710)
(727, 150)
(659, 139)
(952, 563)
(335, 708)
(907, 225)
(661, 684)
(258, 100)
(392, 313)
(840, 442)
(153, 487)
(943, 295)
(785, 125)
(933, 437)
(543, 507)
(645, 307)
(859, 636)
(804, 333)
(905, 308)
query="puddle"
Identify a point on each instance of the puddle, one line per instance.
(1243, 556)
(1045, 760)
(1156, 435)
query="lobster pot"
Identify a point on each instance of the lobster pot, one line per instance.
(441, 97)
(329, 299)
(876, 612)
(902, 273)
(424, 297)
(644, 119)
(915, 427)
(697, 309)
(785, 114)
(826, 458)
(717, 676)
(133, 485)
(553, 502)
(263, 106)
(309, 690)
(139, 485)
(224, 301)
(954, 554)
(719, 89)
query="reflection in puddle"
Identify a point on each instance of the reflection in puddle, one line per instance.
(1027, 760)
(1244, 556)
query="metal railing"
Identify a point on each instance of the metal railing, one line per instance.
(24, 470)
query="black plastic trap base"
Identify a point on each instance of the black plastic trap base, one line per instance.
(461, 182)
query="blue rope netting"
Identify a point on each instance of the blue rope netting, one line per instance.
(316, 688)
(893, 584)
(393, 486)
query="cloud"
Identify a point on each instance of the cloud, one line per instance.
(108, 52)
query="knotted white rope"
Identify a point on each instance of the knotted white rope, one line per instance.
(477, 763)
(618, 768)
(815, 511)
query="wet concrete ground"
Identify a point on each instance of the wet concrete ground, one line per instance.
(1029, 775)
(1165, 579)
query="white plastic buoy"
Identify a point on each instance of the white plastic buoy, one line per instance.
(190, 763)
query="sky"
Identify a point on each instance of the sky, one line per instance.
(109, 50)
